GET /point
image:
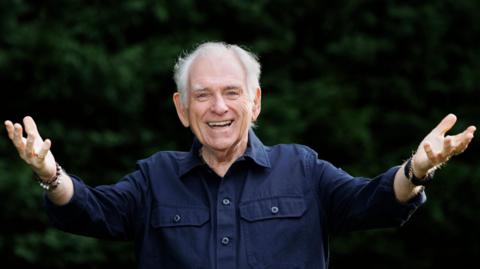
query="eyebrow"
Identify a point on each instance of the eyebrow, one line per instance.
(228, 87)
(232, 87)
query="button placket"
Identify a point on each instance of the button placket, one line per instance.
(226, 229)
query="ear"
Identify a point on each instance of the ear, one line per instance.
(181, 109)
(257, 104)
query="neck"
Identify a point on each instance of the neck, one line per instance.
(221, 160)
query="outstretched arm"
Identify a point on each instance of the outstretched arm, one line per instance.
(435, 149)
(36, 153)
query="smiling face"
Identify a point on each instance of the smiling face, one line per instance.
(219, 111)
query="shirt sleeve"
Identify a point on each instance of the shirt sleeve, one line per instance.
(105, 211)
(357, 203)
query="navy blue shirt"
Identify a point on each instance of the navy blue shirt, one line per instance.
(274, 208)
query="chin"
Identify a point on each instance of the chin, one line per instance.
(220, 145)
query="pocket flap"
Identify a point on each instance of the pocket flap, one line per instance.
(278, 207)
(167, 216)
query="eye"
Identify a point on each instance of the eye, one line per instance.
(201, 96)
(233, 93)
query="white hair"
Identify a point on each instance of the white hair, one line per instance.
(248, 60)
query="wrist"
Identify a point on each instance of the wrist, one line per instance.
(418, 169)
(47, 177)
(51, 182)
(47, 174)
(422, 178)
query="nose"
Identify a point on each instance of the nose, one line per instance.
(219, 106)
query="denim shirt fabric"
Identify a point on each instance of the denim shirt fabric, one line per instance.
(274, 208)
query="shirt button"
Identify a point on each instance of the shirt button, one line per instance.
(225, 240)
(177, 218)
(226, 201)
(274, 209)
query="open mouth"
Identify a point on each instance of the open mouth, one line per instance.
(220, 124)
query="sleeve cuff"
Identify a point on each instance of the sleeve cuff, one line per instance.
(67, 213)
(405, 210)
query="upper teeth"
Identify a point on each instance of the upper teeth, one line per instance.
(219, 123)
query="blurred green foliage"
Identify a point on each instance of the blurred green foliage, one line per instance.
(359, 81)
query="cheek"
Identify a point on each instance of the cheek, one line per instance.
(248, 109)
(246, 113)
(195, 113)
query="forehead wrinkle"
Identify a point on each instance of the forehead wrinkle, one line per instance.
(228, 86)
(197, 87)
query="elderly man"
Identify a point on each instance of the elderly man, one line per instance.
(232, 202)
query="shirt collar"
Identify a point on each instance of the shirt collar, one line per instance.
(255, 151)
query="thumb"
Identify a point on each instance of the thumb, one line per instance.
(446, 124)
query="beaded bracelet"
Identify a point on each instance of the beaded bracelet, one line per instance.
(52, 183)
(410, 175)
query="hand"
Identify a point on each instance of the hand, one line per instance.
(436, 148)
(32, 149)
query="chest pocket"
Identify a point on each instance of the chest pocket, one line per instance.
(274, 231)
(280, 207)
(178, 236)
(166, 216)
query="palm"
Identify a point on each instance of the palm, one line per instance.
(33, 149)
(436, 148)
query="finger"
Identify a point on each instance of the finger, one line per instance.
(472, 128)
(9, 127)
(446, 124)
(29, 151)
(464, 137)
(430, 154)
(467, 135)
(17, 134)
(30, 126)
(447, 147)
(18, 140)
(44, 150)
(464, 143)
(461, 149)
(468, 131)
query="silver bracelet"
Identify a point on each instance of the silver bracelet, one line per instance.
(52, 183)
